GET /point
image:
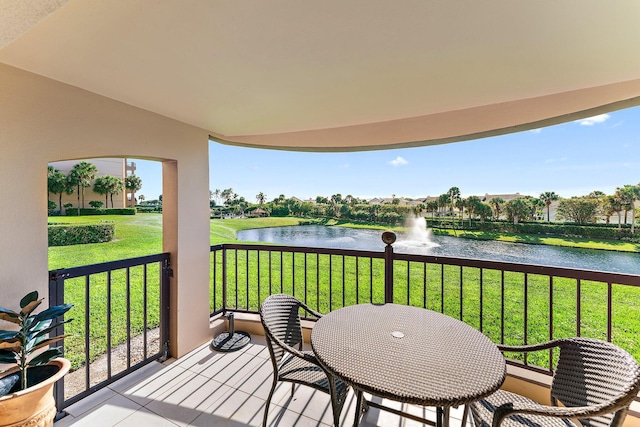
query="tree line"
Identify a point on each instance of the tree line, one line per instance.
(592, 208)
(84, 175)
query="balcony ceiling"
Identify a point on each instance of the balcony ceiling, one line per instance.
(338, 75)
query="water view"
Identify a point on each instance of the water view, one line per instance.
(421, 241)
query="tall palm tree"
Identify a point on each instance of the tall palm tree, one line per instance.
(226, 195)
(102, 185)
(260, 198)
(628, 196)
(133, 183)
(432, 206)
(56, 183)
(547, 198)
(116, 186)
(83, 173)
(454, 196)
(443, 201)
(497, 203)
(216, 195)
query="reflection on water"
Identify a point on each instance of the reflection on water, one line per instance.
(349, 238)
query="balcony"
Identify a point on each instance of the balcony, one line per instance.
(510, 303)
(206, 388)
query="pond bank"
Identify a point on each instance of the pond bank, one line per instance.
(607, 245)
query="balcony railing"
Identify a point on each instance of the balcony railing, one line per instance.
(117, 307)
(511, 303)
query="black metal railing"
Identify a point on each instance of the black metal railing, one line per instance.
(511, 303)
(121, 314)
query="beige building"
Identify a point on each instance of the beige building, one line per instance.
(106, 166)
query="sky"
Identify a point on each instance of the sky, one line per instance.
(571, 159)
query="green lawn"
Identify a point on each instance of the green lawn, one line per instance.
(338, 282)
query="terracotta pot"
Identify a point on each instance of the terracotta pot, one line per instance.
(34, 406)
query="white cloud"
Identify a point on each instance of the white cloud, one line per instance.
(344, 166)
(536, 130)
(590, 121)
(399, 161)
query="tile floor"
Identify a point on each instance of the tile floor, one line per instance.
(207, 388)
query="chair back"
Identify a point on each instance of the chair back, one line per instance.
(280, 317)
(594, 372)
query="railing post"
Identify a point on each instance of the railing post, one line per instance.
(388, 237)
(165, 281)
(224, 280)
(56, 297)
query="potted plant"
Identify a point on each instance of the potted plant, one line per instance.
(26, 390)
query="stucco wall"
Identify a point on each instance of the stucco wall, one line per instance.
(41, 121)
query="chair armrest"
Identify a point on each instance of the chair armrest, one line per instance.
(513, 408)
(310, 310)
(528, 348)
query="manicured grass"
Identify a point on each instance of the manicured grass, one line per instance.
(345, 284)
(609, 245)
(135, 235)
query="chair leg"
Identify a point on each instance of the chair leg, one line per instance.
(334, 401)
(293, 389)
(465, 414)
(266, 407)
(359, 399)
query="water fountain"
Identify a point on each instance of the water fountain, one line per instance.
(417, 235)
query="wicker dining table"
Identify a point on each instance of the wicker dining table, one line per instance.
(410, 355)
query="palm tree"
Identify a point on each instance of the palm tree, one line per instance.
(547, 198)
(432, 206)
(116, 186)
(260, 198)
(454, 195)
(141, 198)
(83, 173)
(216, 195)
(102, 185)
(443, 200)
(133, 183)
(628, 196)
(56, 183)
(226, 195)
(472, 204)
(497, 203)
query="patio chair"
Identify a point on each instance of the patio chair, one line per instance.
(594, 382)
(280, 318)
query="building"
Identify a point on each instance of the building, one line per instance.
(118, 168)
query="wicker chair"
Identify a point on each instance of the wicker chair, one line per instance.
(281, 321)
(595, 382)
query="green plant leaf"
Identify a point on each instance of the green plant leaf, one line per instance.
(14, 347)
(35, 333)
(47, 342)
(27, 309)
(38, 327)
(8, 335)
(9, 316)
(52, 312)
(7, 356)
(45, 357)
(28, 299)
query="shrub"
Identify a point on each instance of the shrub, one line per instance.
(51, 205)
(116, 211)
(96, 204)
(77, 234)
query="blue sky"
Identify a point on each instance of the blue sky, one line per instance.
(571, 159)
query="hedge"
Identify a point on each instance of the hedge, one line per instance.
(594, 231)
(85, 211)
(78, 234)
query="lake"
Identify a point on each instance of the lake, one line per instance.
(423, 242)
